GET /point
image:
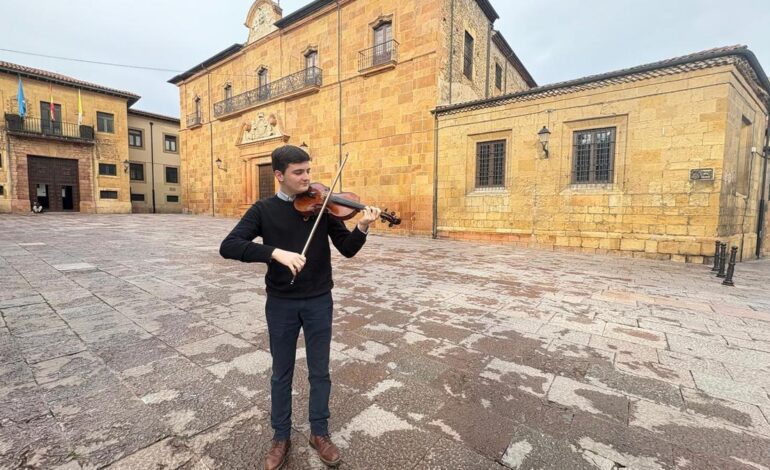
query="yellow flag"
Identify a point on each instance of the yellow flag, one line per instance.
(80, 110)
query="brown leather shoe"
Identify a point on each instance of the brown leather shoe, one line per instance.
(276, 456)
(327, 451)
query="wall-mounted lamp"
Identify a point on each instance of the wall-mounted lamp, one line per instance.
(544, 135)
(125, 166)
(220, 165)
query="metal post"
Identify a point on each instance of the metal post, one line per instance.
(716, 257)
(731, 269)
(722, 258)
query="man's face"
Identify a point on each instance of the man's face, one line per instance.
(296, 178)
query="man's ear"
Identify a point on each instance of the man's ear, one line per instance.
(278, 175)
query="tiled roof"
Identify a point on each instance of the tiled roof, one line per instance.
(206, 63)
(45, 75)
(740, 56)
(147, 114)
(502, 44)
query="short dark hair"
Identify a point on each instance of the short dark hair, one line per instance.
(287, 154)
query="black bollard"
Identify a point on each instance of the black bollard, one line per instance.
(722, 259)
(731, 269)
(716, 256)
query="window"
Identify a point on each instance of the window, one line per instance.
(743, 173)
(593, 156)
(47, 124)
(383, 43)
(105, 122)
(498, 77)
(263, 90)
(108, 169)
(2, 190)
(169, 143)
(136, 171)
(311, 67)
(135, 197)
(198, 107)
(134, 138)
(172, 174)
(490, 164)
(228, 91)
(109, 194)
(468, 56)
(170, 198)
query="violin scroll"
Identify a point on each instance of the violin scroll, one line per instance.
(390, 218)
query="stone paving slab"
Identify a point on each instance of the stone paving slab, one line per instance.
(127, 342)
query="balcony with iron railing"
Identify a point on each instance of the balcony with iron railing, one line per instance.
(296, 84)
(194, 120)
(380, 57)
(57, 130)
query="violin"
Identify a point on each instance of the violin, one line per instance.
(341, 206)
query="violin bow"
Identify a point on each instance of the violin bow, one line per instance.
(323, 208)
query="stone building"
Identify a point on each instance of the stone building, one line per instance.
(349, 77)
(154, 163)
(48, 156)
(443, 122)
(656, 161)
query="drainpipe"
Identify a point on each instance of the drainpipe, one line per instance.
(11, 194)
(451, 45)
(762, 203)
(211, 143)
(339, 84)
(489, 46)
(434, 232)
(152, 166)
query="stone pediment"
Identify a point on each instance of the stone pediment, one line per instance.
(261, 18)
(262, 128)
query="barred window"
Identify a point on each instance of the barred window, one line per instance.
(490, 164)
(468, 56)
(498, 77)
(137, 197)
(593, 156)
(108, 194)
(172, 175)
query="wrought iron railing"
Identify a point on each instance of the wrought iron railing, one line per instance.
(308, 78)
(194, 119)
(48, 128)
(382, 53)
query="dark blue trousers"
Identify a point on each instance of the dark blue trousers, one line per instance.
(285, 317)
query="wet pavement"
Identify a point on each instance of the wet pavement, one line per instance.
(127, 341)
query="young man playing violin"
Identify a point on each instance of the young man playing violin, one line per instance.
(304, 303)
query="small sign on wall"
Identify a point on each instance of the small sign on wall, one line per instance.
(702, 174)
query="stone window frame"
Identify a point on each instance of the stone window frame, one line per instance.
(468, 60)
(109, 190)
(141, 137)
(176, 145)
(379, 22)
(172, 195)
(165, 174)
(743, 158)
(144, 173)
(113, 165)
(473, 140)
(498, 76)
(107, 118)
(197, 107)
(311, 49)
(568, 130)
(227, 90)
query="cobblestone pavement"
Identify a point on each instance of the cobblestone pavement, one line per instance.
(127, 341)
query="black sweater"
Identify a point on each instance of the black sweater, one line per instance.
(281, 226)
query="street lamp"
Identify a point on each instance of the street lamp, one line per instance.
(544, 135)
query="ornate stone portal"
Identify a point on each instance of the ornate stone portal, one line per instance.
(257, 140)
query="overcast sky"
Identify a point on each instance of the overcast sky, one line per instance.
(556, 40)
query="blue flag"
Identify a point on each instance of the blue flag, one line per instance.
(20, 100)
